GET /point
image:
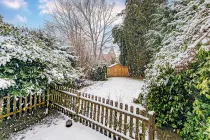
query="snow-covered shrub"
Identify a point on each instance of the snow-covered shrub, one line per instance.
(177, 82)
(29, 61)
(183, 100)
(98, 72)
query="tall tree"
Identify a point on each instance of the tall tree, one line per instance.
(86, 24)
(130, 36)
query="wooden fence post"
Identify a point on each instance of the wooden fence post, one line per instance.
(151, 125)
(1, 110)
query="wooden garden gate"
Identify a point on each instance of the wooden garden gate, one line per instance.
(117, 70)
(113, 119)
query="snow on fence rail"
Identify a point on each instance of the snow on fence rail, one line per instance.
(110, 118)
(12, 106)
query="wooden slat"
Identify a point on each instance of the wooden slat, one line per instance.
(31, 103)
(89, 110)
(82, 108)
(137, 126)
(26, 104)
(94, 111)
(106, 115)
(35, 100)
(99, 110)
(91, 107)
(120, 118)
(131, 123)
(85, 107)
(20, 105)
(125, 120)
(44, 96)
(115, 117)
(102, 114)
(151, 126)
(110, 117)
(78, 103)
(14, 106)
(39, 99)
(143, 135)
(1, 108)
(8, 104)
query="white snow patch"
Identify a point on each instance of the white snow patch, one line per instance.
(119, 89)
(6, 83)
(57, 130)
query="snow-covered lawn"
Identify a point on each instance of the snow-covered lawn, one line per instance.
(117, 89)
(54, 129)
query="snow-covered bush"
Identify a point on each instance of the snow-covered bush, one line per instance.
(98, 72)
(177, 82)
(190, 30)
(29, 61)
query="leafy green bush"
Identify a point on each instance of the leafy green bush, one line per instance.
(30, 61)
(98, 72)
(182, 101)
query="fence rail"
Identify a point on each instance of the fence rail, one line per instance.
(13, 106)
(110, 118)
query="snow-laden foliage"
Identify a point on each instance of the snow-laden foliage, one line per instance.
(98, 72)
(32, 59)
(6, 83)
(190, 32)
(177, 81)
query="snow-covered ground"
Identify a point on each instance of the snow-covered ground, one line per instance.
(119, 89)
(54, 129)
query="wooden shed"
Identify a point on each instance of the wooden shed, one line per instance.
(117, 70)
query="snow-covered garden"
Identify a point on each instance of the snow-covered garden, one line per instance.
(120, 89)
(53, 128)
(167, 43)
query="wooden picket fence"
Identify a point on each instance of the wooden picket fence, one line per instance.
(113, 119)
(12, 106)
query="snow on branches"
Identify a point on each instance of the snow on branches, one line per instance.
(31, 47)
(190, 32)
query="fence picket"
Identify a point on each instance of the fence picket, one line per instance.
(137, 125)
(35, 100)
(125, 120)
(106, 115)
(82, 108)
(151, 125)
(1, 109)
(120, 118)
(99, 110)
(115, 119)
(91, 109)
(39, 99)
(26, 104)
(142, 135)
(110, 117)
(31, 103)
(8, 105)
(102, 114)
(20, 106)
(94, 112)
(131, 123)
(44, 97)
(14, 106)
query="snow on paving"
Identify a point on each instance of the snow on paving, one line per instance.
(55, 129)
(119, 89)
